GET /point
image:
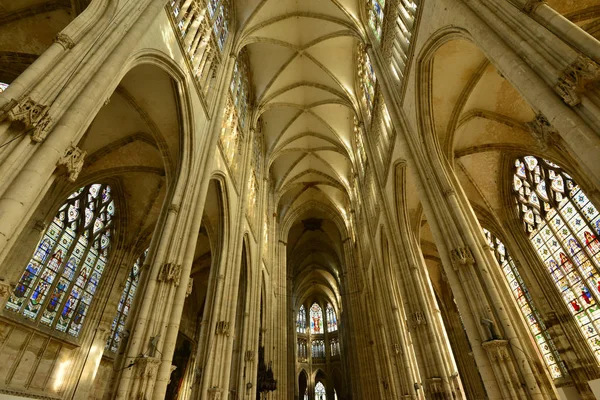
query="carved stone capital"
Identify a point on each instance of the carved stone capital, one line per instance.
(435, 385)
(249, 355)
(65, 41)
(174, 208)
(397, 349)
(497, 350)
(72, 161)
(147, 367)
(531, 5)
(170, 273)
(543, 132)
(32, 116)
(418, 318)
(461, 257)
(222, 328)
(575, 79)
(214, 393)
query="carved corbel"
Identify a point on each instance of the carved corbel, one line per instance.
(497, 350)
(418, 318)
(435, 385)
(72, 161)
(249, 356)
(543, 132)
(222, 328)
(170, 273)
(461, 257)
(65, 41)
(32, 116)
(575, 79)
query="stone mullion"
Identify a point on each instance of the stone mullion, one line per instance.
(566, 335)
(73, 105)
(498, 28)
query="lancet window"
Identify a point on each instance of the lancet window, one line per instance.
(117, 329)
(403, 35)
(334, 345)
(320, 391)
(62, 276)
(318, 348)
(375, 9)
(302, 350)
(528, 309)
(316, 319)
(367, 80)
(331, 319)
(563, 226)
(301, 320)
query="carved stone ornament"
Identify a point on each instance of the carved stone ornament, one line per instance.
(5, 291)
(249, 356)
(531, 5)
(170, 273)
(147, 367)
(72, 160)
(543, 132)
(65, 41)
(397, 348)
(497, 350)
(435, 385)
(418, 318)
(461, 256)
(576, 78)
(222, 328)
(214, 393)
(32, 116)
(190, 287)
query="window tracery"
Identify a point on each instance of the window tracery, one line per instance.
(528, 309)
(318, 348)
(334, 345)
(367, 80)
(301, 320)
(118, 325)
(320, 391)
(302, 350)
(331, 319)
(61, 278)
(563, 226)
(316, 319)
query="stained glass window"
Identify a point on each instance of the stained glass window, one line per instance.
(302, 350)
(376, 8)
(3, 87)
(334, 345)
(62, 276)
(320, 391)
(306, 393)
(331, 319)
(318, 348)
(367, 79)
(563, 226)
(301, 320)
(316, 319)
(118, 326)
(525, 302)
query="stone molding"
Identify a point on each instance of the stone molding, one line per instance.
(33, 117)
(65, 41)
(497, 349)
(461, 256)
(72, 161)
(575, 78)
(222, 328)
(214, 393)
(435, 385)
(418, 318)
(170, 273)
(249, 355)
(543, 132)
(147, 367)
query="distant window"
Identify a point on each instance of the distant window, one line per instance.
(331, 319)
(316, 319)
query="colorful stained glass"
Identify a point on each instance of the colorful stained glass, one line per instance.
(375, 10)
(528, 310)
(563, 227)
(56, 288)
(3, 87)
(301, 320)
(117, 330)
(334, 345)
(316, 319)
(320, 391)
(367, 79)
(331, 318)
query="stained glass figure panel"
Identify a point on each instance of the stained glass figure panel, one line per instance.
(375, 9)
(301, 320)
(563, 226)
(331, 319)
(62, 276)
(316, 319)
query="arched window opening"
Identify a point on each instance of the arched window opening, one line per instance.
(62, 276)
(316, 319)
(306, 394)
(367, 79)
(320, 391)
(118, 325)
(528, 309)
(3, 87)
(302, 350)
(563, 226)
(301, 320)
(375, 9)
(334, 345)
(331, 319)
(318, 349)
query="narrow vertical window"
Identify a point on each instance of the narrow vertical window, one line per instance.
(63, 274)
(367, 80)
(118, 326)
(301, 320)
(563, 225)
(525, 302)
(316, 319)
(320, 391)
(331, 319)
(375, 9)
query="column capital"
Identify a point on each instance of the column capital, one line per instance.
(33, 117)
(65, 41)
(170, 272)
(497, 349)
(575, 78)
(461, 256)
(72, 161)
